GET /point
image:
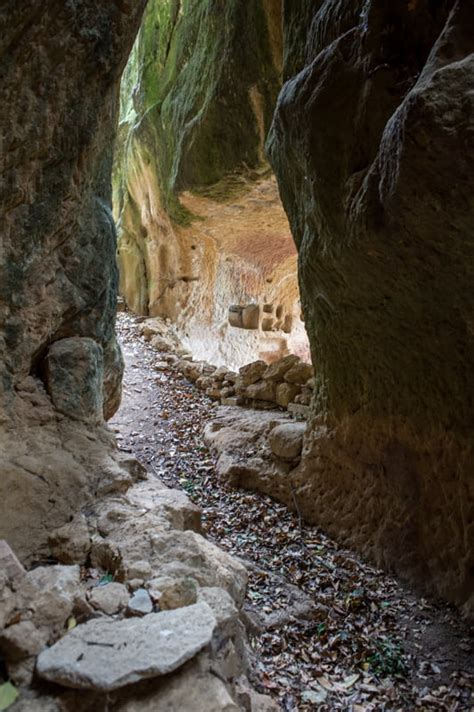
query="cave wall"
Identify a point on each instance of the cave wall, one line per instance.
(372, 145)
(60, 366)
(191, 182)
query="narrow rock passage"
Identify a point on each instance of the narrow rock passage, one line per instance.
(328, 631)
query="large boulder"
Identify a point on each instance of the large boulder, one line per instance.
(251, 372)
(74, 375)
(285, 393)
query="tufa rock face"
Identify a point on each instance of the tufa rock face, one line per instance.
(74, 375)
(378, 109)
(203, 237)
(60, 69)
(58, 275)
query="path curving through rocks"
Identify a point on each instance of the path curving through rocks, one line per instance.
(328, 631)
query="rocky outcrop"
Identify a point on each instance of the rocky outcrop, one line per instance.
(60, 70)
(75, 517)
(114, 654)
(148, 617)
(372, 147)
(203, 236)
(257, 450)
(58, 239)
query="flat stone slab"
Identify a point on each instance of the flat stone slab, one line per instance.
(106, 654)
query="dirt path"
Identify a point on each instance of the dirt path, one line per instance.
(329, 632)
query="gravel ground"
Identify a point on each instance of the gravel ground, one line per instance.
(328, 631)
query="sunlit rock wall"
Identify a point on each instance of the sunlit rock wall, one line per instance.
(372, 144)
(60, 367)
(201, 226)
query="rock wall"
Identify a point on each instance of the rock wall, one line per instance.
(60, 366)
(201, 226)
(73, 509)
(372, 147)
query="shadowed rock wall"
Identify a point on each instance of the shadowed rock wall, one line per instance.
(372, 144)
(60, 366)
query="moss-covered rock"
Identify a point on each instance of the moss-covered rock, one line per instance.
(197, 100)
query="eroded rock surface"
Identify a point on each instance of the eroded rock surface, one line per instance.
(60, 69)
(203, 238)
(372, 147)
(66, 493)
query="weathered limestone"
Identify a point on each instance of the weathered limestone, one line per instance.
(73, 374)
(286, 440)
(140, 603)
(194, 690)
(375, 107)
(110, 599)
(256, 384)
(170, 593)
(285, 393)
(276, 371)
(65, 490)
(203, 238)
(58, 234)
(60, 72)
(106, 654)
(251, 372)
(71, 543)
(256, 450)
(134, 536)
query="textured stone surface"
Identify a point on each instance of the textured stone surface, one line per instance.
(286, 440)
(58, 269)
(71, 543)
(187, 554)
(276, 371)
(9, 564)
(300, 373)
(73, 374)
(107, 654)
(188, 690)
(285, 393)
(378, 111)
(172, 593)
(251, 372)
(140, 603)
(240, 439)
(201, 227)
(263, 390)
(60, 68)
(110, 598)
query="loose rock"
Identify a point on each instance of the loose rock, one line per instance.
(107, 654)
(286, 440)
(110, 598)
(140, 603)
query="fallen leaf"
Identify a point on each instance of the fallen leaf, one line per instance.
(314, 695)
(8, 695)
